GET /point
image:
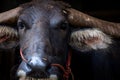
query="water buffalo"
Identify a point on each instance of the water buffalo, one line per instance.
(48, 31)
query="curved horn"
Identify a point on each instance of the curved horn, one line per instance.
(80, 19)
(10, 16)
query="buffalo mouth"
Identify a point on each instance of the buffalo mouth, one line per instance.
(35, 76)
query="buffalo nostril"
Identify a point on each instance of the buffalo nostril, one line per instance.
(37, 63)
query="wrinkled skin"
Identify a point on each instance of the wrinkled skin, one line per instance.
(43, 31)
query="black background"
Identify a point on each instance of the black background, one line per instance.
(104, 9)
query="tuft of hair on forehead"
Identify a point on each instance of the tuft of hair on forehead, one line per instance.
(58, 3)
(54, 2)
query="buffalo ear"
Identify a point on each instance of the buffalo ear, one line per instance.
(75, 41)
(8, 37)
(89, 39)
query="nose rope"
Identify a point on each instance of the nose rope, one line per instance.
(67, 71)
(23, 58)
(21, 52)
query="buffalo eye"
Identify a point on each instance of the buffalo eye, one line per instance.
(21, 25)
(63, 25)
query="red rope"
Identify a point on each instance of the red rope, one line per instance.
(66, 71)
(23, 58)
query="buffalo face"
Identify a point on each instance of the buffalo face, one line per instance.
(43, 31)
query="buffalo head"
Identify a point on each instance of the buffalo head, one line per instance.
(44, 33)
